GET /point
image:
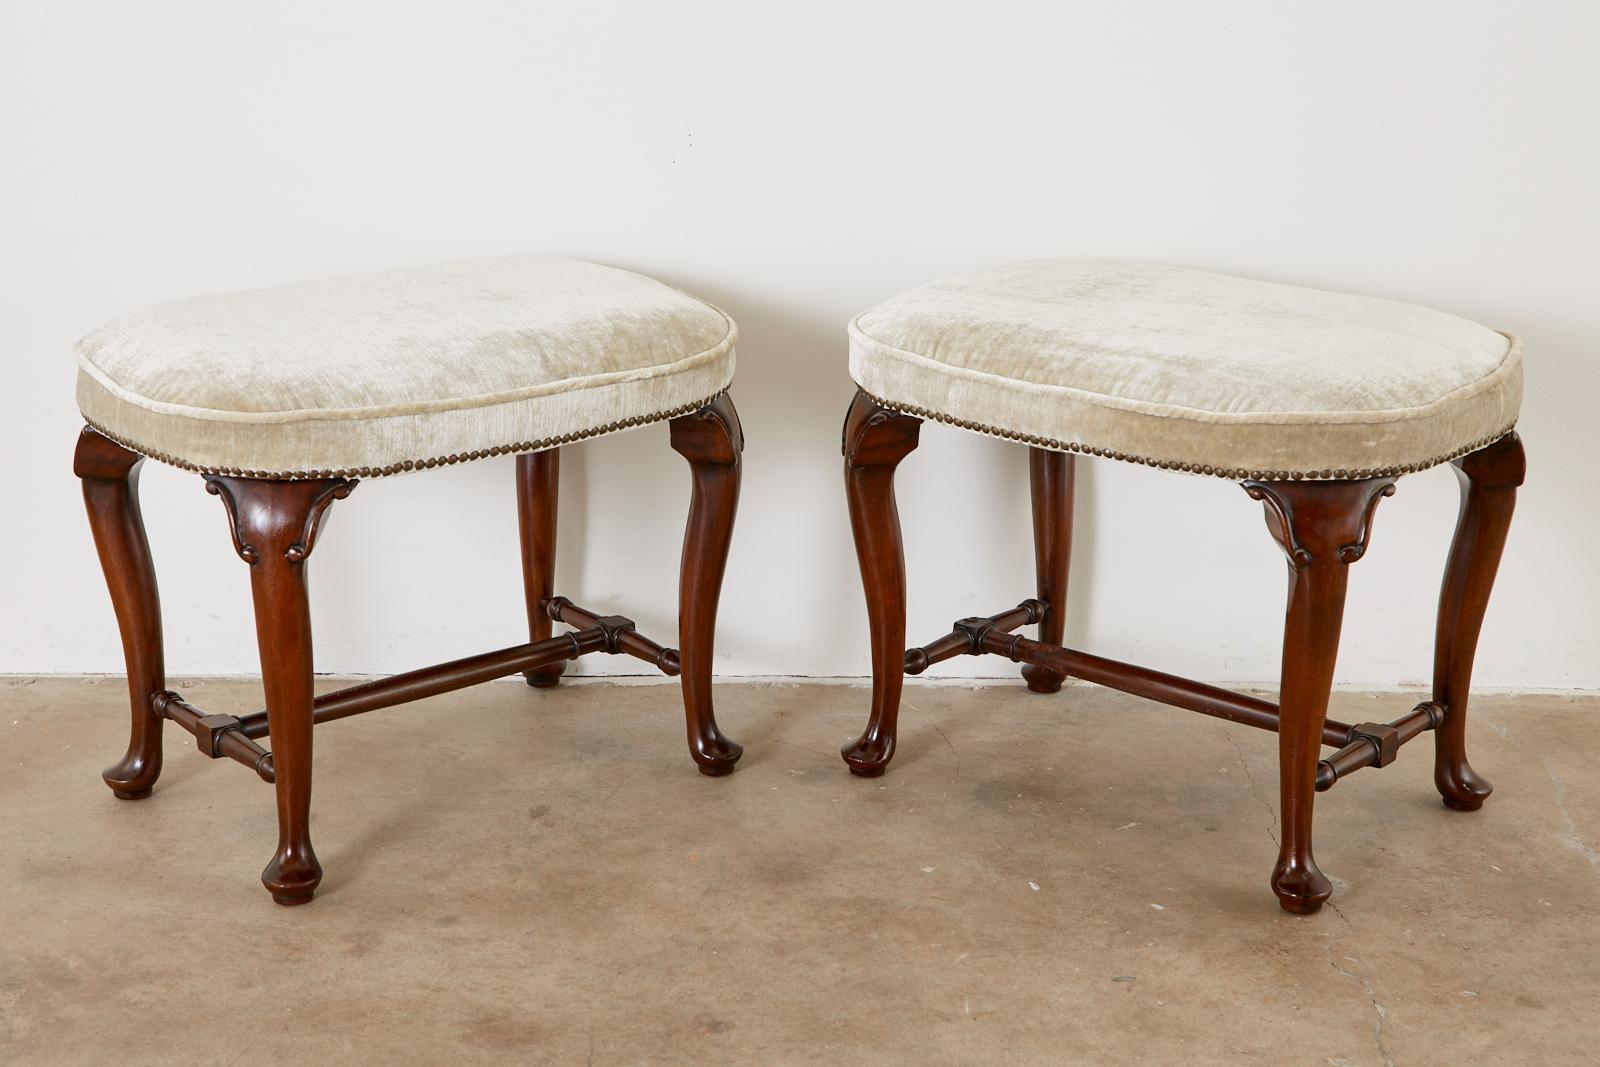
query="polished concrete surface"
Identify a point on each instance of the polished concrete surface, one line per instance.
(540, 876)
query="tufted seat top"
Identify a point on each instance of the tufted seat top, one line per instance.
(380, 373)
(1191, 370)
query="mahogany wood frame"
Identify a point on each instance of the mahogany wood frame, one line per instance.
(275, 526)
(1322, 526)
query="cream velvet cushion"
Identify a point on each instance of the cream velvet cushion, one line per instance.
(380, 373)
(1191, 370)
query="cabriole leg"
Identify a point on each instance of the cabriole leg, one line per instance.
(275, 526)
(1323, 527)
(876, 439)
(110, 475)
(1489, 479)
(1050, 477)
(711, 439)
(538, 479)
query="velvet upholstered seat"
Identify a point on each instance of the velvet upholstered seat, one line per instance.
(1191, 370)
(1317, 402)
(375, 374)
(283, 399)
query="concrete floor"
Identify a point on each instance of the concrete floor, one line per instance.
(1068, 879)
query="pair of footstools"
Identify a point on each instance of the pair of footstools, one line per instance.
(1316, 402)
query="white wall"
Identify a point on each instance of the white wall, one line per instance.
(794, 163)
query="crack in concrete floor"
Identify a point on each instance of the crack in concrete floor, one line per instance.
(1250, 779)
(1569, 837)
(1380, 1011)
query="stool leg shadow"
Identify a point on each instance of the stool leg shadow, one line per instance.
(876, 439)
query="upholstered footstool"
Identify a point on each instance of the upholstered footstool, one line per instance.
(283, 399)
(1315, 402)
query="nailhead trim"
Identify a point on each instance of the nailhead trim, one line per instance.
(1231, 473)
(410, 464)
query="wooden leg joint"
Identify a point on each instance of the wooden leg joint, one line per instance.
(974, 636)
(619, 634)
(215, 736)
(615, 628)
(1376, 744)
(209, 730)
(1384, 739)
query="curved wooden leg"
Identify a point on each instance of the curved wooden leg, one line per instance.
(711, 439)
(1323, 527)
(275, 525)
(1489, 479)
(110, 475)
(876, 439)
(538, 479)
(1050, 477)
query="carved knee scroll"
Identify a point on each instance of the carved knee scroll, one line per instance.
(1322, 527)
(275, 526)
